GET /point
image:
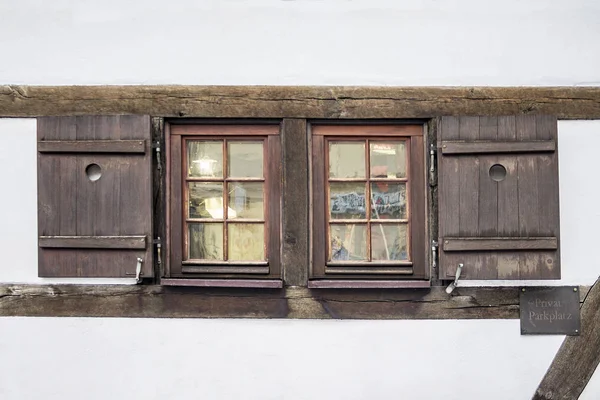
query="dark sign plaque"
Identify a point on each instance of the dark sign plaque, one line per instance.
(550, 310)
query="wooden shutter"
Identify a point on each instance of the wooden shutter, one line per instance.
(506, 229)
(94, 228)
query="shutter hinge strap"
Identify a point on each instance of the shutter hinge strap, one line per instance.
(158, 244)
(432, 159)
(434, 249)
(156, 146)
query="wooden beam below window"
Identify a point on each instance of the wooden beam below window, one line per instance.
(153, 301)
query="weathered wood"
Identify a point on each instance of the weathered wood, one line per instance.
(356, 284)
(295, 202)
(199, 269)
(298, 102)
(152, 301)
(481, 146)
(496, 243)
(93, 242)
(577, 358)
(476, 204)
(119, 203)
(232, 283)
(92, 146)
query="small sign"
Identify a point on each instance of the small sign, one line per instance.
(550, 310)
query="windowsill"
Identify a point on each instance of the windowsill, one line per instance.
(232, 283)
(364, 284)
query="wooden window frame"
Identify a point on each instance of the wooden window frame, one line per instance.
(413, 273)
(181, 272)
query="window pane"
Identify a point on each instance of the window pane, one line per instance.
(246, 242)
(347, 200)
(205, 200)
(245, 200)
(388, 200)
(245, 159)
(348, 242)
(346, 160)
(388, 159)
(206, 241)
(388, 242)
(205, 159)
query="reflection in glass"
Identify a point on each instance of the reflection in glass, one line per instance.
(347, 242)
(205, 159)
(246, 242)
(346, 160)
(388, 159)
(246, 200)
(205, 200)
(388, 200)
(347, 200)
(245, 159)
(206, 241)
(388, 242)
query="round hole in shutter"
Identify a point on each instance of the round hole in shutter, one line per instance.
(93, 172)
(497, 172)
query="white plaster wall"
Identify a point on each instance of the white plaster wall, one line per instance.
(333, 42)
(95, 358)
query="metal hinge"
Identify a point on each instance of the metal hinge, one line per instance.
(434, 249)
(432, 159)
(157, 242)
(156, 147)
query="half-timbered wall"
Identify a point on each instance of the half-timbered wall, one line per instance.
(268, 42)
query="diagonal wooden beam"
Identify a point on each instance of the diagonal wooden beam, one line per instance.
(577, 358)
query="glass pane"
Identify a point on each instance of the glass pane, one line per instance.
(246, 242)
(348, 242)
(346, 160)
(205, 159)
(388, 159)
(388, 200)
(389, 242)
(245, 200)
(347, 200)
(205, 200)
(245, 159)
(206, 241)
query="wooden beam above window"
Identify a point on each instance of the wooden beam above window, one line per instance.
(311, 102)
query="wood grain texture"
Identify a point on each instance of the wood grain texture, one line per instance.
(577, 358)
(93, 242)
(298, 101)
(491, 243)
(152, 301)
(295, 202)
(480, 146)
(92, 146)
(119, 203)
(521, 205)
(239, 283)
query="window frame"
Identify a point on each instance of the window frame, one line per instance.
(385, 274)
(178, 270)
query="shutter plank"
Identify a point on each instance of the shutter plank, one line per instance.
(84, 209)
(91, 146)
(482, 146)
(506, 229)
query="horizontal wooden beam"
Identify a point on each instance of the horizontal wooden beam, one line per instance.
(198, 269)
(153, 301)
(93, 242)
(92, 146)
(298, 101)
(577, 358)
(498, 244)
(480, 146)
